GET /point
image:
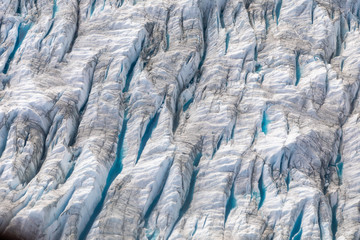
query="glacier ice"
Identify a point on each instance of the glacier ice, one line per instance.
(188, 119)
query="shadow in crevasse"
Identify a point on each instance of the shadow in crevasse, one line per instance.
(9, 236)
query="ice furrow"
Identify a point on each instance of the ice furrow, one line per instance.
(147, 134)
(115, 170)
(22, 31)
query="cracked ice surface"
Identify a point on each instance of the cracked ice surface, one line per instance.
(162, 119)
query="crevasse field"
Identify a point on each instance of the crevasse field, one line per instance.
(186, 119)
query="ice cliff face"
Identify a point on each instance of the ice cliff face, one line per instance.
(163, 119)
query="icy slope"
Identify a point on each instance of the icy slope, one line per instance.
(186, 119)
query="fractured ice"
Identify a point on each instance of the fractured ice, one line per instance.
(187, 119)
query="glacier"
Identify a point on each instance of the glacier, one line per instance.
(187, 119)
